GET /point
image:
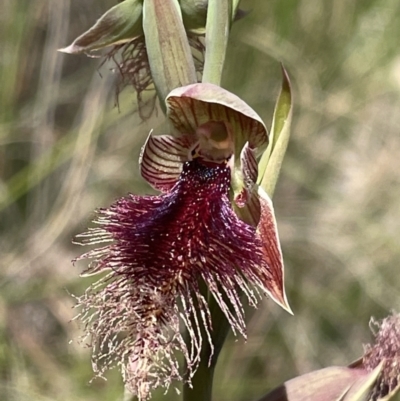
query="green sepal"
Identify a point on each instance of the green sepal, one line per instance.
(121, 23)
(271, 160)
(219, 19)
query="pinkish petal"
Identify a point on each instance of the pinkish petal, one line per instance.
(193, 105)
(161, 160)
(363, 388)
(335, 383)
(268, 231)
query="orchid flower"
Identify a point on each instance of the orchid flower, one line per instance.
(210, 225)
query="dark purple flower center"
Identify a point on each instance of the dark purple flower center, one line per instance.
(192, 230)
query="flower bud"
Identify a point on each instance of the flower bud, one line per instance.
(120, 24)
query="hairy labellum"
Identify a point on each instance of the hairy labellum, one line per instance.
(386, 348)
(157, 249)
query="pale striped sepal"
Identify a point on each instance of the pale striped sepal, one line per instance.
(161, 160)
(268, 231)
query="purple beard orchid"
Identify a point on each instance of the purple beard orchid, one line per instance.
(211, 224)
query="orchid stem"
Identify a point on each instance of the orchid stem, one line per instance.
(128, 396)
(219, 16)
(202, 381)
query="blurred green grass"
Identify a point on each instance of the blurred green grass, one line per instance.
(65, 150)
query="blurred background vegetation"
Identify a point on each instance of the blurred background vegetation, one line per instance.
(66, 150)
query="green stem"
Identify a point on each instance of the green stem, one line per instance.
(202, 381)
(128, 396)
(219, 16)
(221, 329)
